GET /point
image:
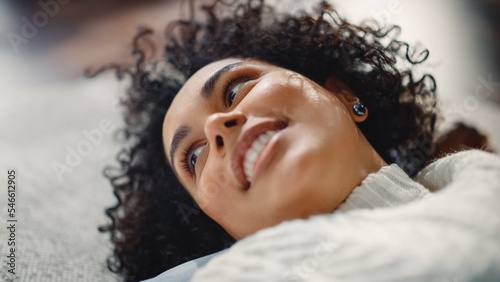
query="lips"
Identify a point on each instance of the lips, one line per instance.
(245, 144)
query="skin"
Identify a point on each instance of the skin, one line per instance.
(315, 163)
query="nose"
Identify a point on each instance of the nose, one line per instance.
(222, 129)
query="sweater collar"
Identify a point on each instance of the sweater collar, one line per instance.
(388, 187)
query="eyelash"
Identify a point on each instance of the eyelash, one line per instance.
(233, 80)
(186, 158)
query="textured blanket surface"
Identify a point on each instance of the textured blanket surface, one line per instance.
(60, 200)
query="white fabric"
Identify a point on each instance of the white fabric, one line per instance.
(450, 235)
(185, 271)
(389, 187)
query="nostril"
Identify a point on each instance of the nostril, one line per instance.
(230, 123)
(219, 141)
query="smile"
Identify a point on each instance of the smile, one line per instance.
(254, 151)
(251, 145)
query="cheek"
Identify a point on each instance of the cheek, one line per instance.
(312, 172)
(221, 201)
(277, 92)
(216, 194)
(210, 190)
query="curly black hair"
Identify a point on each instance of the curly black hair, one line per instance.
(156, 225)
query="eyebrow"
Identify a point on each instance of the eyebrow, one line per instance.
(179, 135)
(208, 87)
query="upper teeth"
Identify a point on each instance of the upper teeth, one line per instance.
(254, 151)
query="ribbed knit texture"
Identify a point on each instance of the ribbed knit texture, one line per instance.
(450, 235)
(389, 187)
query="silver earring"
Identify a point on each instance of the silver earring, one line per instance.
(359, 109)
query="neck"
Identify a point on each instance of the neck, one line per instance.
(369, 160)
(374, 163)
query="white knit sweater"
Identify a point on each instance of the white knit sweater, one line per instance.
(389, 229)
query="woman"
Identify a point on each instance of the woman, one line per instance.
(256, 118)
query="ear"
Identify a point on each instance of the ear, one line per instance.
(345, 95)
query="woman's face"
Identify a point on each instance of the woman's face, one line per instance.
(255, 144)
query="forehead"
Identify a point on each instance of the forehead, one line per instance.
(188, 105)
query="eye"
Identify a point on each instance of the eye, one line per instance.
(233, 85)
(234, 91)
(190, 157)
(194, 157)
